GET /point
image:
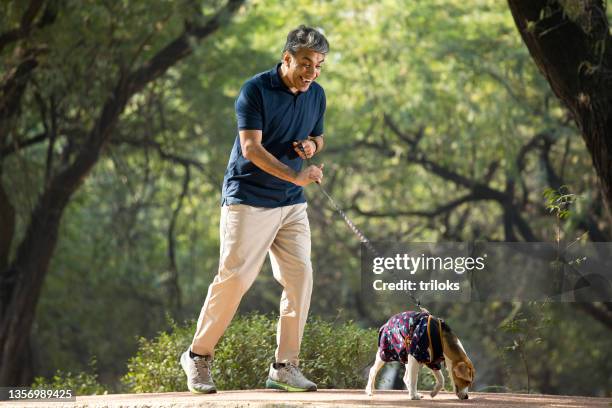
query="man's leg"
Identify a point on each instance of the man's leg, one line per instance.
(246, 235)
(290, 256)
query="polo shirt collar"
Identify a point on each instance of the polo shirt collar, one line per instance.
(275, 79)
(277, 82)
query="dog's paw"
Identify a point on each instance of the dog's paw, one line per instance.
(435, 391)
(416, 396)
(369, 392)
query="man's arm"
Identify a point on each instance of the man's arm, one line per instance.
(252, 150)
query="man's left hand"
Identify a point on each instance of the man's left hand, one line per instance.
(309, 146)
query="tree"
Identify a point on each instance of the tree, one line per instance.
(570, 42)
(22, 277)
(439, 128)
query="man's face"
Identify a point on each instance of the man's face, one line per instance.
(303, 68)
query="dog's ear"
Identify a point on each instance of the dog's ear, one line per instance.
(463, 371)
(472, 372)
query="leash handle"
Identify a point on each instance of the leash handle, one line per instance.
(301, 147)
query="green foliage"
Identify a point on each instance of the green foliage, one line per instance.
(332, 355)
(560, 334)
(558, 202)
(155, 367)
(336, 355)
(243, 357)
(82, 383)
(524, 327)
(455, 71)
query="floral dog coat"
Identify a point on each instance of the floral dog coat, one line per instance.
(415, 333)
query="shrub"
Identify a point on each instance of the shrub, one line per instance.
(337, 355)
(155, 367)
(332, 355)
(83, 383)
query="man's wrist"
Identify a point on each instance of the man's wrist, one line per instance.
(316, 143)
(316, 146)
(294, 176)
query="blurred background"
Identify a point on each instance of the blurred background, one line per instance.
(439, 127)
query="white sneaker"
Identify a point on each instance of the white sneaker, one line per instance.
(289, 378)
(199, 379)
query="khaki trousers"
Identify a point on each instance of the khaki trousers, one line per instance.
(247, 234)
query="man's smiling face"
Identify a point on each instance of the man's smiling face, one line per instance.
(302, 68)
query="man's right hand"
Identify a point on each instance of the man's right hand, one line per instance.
(311, 174)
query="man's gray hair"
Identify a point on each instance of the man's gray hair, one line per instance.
(306, 37)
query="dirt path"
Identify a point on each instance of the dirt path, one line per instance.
(321, 398)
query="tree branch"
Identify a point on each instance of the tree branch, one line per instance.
(598, 313)
(40, 238)
(163, 154)
(478, 189)
(11, 90)
(7, 228)
(18, 145)
(25, 27)
(441, 210)
(174, 287)
(573, 50)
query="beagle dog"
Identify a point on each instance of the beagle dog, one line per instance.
(417, 338)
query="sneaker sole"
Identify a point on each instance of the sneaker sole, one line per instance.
(194, 391)
(275, 385)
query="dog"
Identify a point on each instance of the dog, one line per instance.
(417, 338)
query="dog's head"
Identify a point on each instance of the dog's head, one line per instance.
(463, 377)
(463, 370)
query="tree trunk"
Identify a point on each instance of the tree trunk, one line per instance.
(22, 280)
(571, 45)
(570, 42)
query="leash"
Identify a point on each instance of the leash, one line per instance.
(362, 238)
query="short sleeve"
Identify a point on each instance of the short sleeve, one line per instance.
(319, 126)
(249, 107)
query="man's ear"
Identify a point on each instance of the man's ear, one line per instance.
(462, 371)
(286, 58)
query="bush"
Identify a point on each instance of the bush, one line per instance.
(336, 356)
(82, 383)
(332, 355)
(156, 367)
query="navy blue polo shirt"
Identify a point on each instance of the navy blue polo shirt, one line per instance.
(265, 103)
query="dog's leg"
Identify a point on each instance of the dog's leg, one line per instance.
(378, 363)
(411, 377)
(439, 382)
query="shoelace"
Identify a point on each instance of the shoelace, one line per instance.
(202, 364)
(295, 370)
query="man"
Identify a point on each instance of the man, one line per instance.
(280, 123)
